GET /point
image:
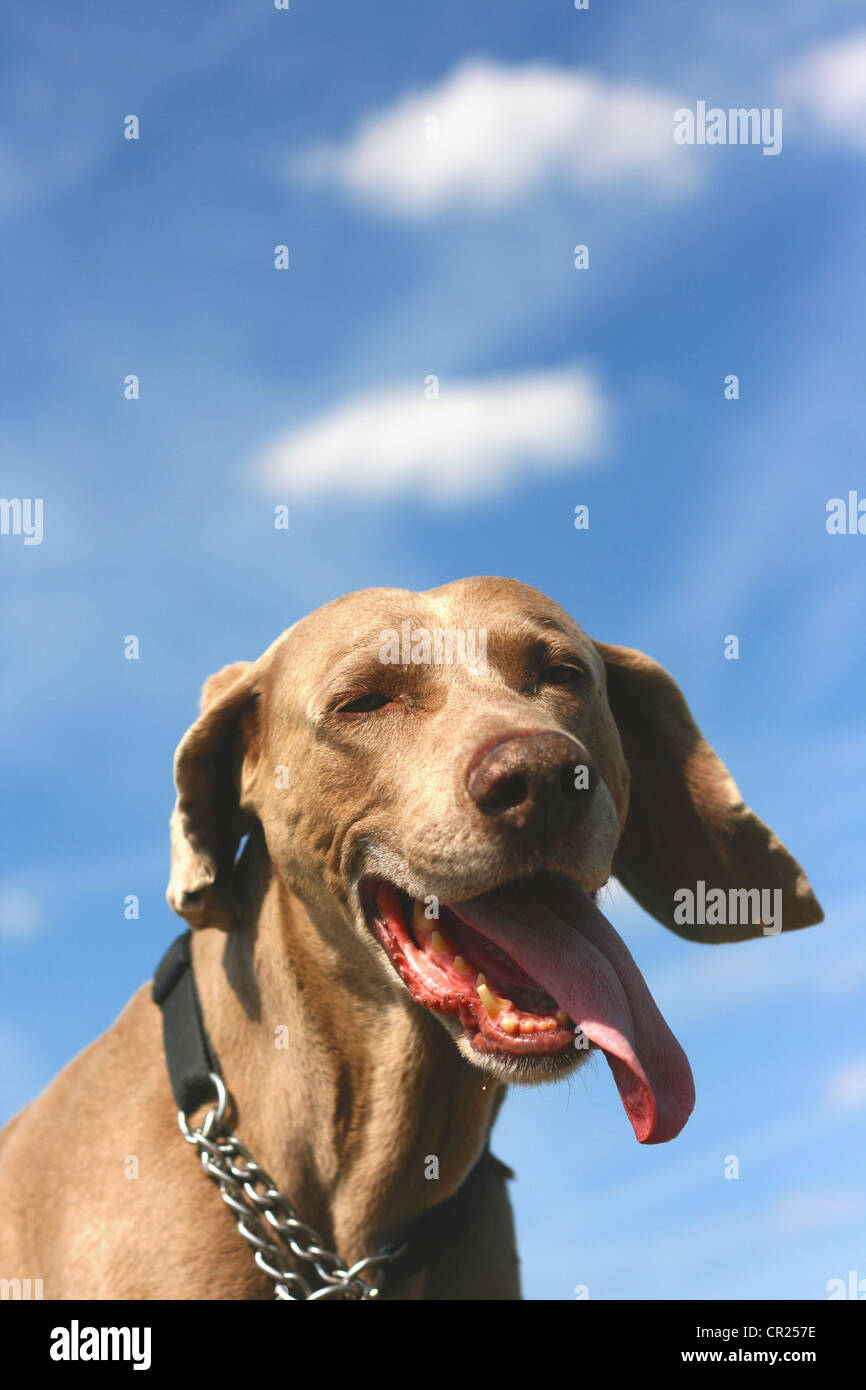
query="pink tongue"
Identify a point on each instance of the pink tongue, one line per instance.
(555, 932)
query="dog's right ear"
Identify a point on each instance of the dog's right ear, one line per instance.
(208, 821)
(687, 820)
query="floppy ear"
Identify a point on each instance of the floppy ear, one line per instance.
(687, 820)
(207, 822)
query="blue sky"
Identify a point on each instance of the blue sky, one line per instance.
(453, 257)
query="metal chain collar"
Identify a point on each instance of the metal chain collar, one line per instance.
(266, 1219)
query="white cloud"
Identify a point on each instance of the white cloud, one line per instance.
(847, 1088)
(487, 133)
(830, 84)
(20, 914)
(474, 440)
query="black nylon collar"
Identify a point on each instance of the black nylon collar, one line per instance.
(190, 1058)
(188, 1051)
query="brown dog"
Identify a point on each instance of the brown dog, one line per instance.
(433, 786)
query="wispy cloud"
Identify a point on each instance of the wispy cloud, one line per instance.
(488, 134)
(64, 883)
(847, 1086)
(60, 130)
(707, 980)
(473, 440)
(746, 1251)
(21, 914)
(829, 83)
(806, 1209)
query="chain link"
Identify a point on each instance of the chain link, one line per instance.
(267, 1221)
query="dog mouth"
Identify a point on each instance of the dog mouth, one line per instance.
(532, 970)
(451, 968)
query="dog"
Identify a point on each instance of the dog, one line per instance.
(388, 852)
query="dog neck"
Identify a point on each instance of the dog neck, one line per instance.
(354, 1099)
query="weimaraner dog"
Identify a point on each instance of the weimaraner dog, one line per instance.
(389, 837)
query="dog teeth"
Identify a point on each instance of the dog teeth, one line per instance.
(561, 1016)
(508, 1024)
(493, 1006)
(527, 1025)
(438, 942)
(461, 967)
(419, 921)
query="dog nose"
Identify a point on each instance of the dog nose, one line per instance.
(536, 783)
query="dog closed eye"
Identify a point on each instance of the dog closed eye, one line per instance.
(562, 675)
(367, 704)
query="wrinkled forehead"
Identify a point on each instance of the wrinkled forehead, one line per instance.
(510, 619)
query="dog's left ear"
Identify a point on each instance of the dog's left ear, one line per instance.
(208, 821)
(687, 820)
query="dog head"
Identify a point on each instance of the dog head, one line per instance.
(452, 776)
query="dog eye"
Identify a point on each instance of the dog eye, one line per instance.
(365, 704)
(562, 675)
